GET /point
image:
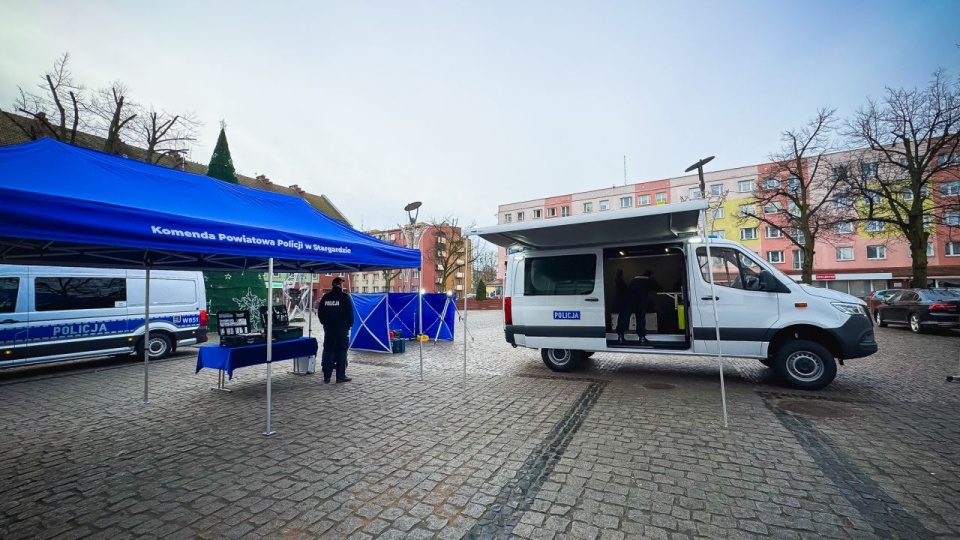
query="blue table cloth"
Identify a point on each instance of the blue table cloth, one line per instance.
(231, 358)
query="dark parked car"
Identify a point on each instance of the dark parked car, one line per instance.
(920, 309)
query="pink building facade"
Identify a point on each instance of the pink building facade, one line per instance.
(851, 259)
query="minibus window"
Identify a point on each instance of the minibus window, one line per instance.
(731, 268)
(67, 293)
(9, 287)
(559, 276)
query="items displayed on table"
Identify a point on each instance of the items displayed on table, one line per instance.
(234, 327)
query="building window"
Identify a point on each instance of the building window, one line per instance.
(661, 198)
(718, 234)
(643, 200)
(551, 212)
(844, 253)
(747, 210)
(793, 209)
(797, 259)
(872, 198)
(949, 159)
(874, 226)
(952, 249)
(844, 227)
(587, 207)
(564, 211)
(951, 218)
(748, 233)
(907, 195)
(793, 184)
(869, 170)
(695, 193)
(839, 173)
(716, 190)
(626, 202)
(519, 216)
(775, 257)
(745, 186)
(537, 214)
(797, 236)
(507, 218)
(771, 183)
(718, 212)
(773, 232)
(842, 201)
(929, 250)
(950, 188)
(772, 208)
(604, 205)
(876, 252)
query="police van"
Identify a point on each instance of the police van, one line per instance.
(561, 295)
(52, 313)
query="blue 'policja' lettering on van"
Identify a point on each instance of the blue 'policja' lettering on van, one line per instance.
(566, 315)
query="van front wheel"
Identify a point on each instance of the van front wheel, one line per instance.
(561, 359)
(806, 365)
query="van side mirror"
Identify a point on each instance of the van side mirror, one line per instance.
(768, 282)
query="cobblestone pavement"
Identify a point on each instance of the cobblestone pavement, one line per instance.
(630, 446)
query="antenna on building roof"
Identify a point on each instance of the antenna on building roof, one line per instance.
(624, 170)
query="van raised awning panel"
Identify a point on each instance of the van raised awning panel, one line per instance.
(641, 225)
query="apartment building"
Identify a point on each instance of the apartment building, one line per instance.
(855, 258)
(445, 262)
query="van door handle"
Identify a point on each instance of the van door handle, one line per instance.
(8, 321)
(709, 297)
(592, 299)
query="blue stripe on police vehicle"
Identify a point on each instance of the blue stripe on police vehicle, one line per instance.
(93, 328)
(566, 315)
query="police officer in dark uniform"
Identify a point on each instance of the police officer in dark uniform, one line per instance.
(335, 310)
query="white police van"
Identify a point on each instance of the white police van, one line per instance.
(51, 313)
(560, 295)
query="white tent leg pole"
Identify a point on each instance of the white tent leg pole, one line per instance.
(464, 340)
(310, 308)
(146, 336)
(420, 333)
(269, 432)
(716, 319)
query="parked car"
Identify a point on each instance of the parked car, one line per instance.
(883, 294)
(920, 309)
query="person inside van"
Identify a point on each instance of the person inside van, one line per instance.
(624, 306)
(641, 288)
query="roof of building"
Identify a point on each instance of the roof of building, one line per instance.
(12, 132)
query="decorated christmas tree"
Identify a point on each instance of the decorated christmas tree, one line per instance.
(234, 290)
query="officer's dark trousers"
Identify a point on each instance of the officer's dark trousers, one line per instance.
(335, 345)
(641, 312)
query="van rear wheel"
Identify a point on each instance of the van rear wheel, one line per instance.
(561, 359)
(806, 365)
(160, 346)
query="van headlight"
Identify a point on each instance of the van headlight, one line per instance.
(850, 309)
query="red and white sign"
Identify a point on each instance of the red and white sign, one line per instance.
(824, 277)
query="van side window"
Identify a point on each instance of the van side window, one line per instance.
(731, 268)
(9, 287)
(66, 293)
(559, 276)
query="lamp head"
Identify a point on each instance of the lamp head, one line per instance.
(413, 210)
(699, 164)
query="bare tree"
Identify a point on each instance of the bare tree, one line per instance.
(484, 262)
(795, 196)
(59, 98)
(112, 112)
(906, 175)
(451, 251)
(163, 134)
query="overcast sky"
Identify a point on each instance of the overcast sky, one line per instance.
(467, 105)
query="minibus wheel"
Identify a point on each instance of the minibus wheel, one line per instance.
(160, 346)
(561, 359)
(806, 365)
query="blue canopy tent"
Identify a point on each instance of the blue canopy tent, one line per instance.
(68, 206)
(375, 314)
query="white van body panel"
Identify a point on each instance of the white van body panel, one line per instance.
(29, 335)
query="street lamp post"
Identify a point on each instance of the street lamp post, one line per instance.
(412, 210)
(713, 293)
